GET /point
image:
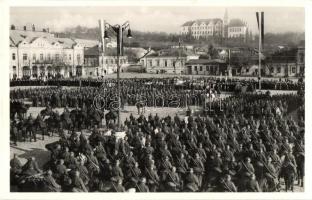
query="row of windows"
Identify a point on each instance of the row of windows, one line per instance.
(114, 61)
(41, 56)
(208, 67)
(235, 29)
(166, 63)
(278, 70)
(205, 27)
(203, 32)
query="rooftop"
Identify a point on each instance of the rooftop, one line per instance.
(237, 23)
(205, 61)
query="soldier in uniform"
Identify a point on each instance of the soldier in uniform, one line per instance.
(198, 168)
(191, 182)
(253, 185)
(50, 184)
(152, 178)
(226, 185)
(78, 184)
(142, 187)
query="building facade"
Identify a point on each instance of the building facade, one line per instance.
(98, 65)
(216, 27)
(39, 54)
(286, 63)
(203, 28)
(237, 28)
(213, 67)
(170, 61)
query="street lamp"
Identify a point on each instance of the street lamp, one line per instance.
(118, 31)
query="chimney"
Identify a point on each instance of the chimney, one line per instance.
(12, 27)
(33, 27)
(25, 28)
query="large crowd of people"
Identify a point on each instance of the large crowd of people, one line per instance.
(247, 143)
(224, 84)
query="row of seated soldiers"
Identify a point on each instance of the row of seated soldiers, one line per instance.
(230, 153)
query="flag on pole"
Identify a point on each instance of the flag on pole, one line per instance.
(262, 28)
(260, 23)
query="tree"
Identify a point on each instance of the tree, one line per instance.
(212, 52)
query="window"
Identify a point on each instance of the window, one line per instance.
(69, 56)
(13, 56)
(150, 63)
(14, 69)
(157, 62)
(195, 68)
(24, 56)
(41, 56)
(201, 68)
(166, 64)
(207, 68)
(49, 56)
(278, 69)
(293, 70)
(57, 56)
(174, 63)
(78, 57)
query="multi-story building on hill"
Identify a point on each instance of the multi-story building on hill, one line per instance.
(216, 27)
(203, 28)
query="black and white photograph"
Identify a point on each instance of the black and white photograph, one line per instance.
(153, 99)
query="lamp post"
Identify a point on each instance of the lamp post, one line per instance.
(118, 31)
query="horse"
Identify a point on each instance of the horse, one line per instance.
(300, 168)
(18, 108)
(111, 116)
(289, 174)
(140, 107)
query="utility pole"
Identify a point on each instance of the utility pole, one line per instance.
(118, 31)
(259, 58)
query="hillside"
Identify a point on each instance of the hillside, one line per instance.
(158, 40)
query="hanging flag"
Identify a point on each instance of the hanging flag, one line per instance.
(260, 23)
(257, 15)
(262, 28)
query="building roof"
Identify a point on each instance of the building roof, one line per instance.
(171, 52)
(188, 23)
(205, 61)
(284, 56)
(236, 23)
(66, 42)
(207, 21)
(93, 51)
(96, 51)
(18, 36)
(87, 43)
(199, 21)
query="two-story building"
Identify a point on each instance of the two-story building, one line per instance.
(286, 63)
(39, 54)
(97, 64)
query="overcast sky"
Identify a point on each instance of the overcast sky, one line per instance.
(161, 19)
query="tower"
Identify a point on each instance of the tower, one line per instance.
(225, 24)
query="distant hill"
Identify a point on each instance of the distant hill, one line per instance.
(158, 40)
